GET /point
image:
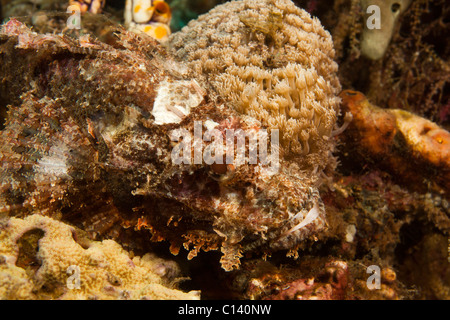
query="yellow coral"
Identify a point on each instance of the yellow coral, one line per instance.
(105, 270)
(272, 61)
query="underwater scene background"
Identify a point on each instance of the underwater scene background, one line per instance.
(201, 149)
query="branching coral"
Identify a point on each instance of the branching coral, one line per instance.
(105, 270)
(274, 62)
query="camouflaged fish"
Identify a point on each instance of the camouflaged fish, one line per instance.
(89, 139)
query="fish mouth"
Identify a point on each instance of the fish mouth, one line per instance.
(245, 212)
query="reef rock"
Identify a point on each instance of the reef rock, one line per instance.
(316, 278)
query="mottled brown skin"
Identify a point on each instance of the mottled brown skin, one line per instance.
(374, 135)
(81, 145)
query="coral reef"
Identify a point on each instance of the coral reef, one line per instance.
(150, 17)
(373, 222)
(414, 75)
(95, 116)
(46, 259)
(104, 162)
(272, 61)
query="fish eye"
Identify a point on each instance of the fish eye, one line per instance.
(221, 171)
(219, 168)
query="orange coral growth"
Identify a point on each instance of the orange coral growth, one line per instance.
(413, 148)
(142, 223)
(377, 128)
